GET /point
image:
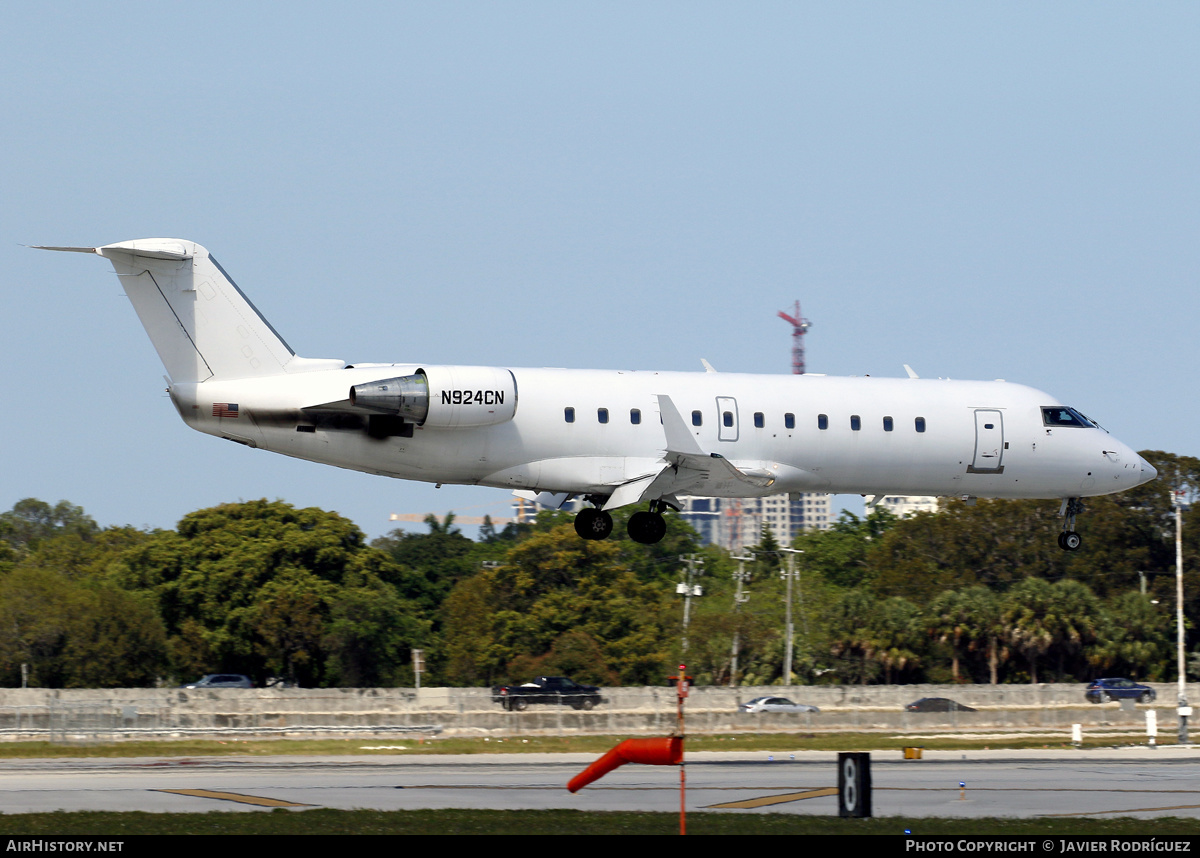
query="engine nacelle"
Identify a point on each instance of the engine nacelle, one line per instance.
(444, 397)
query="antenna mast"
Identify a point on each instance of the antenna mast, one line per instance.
(800, 326)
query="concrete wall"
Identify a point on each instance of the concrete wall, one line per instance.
(41, 713)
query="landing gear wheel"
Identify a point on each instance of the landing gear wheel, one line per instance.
(646, 527)
(1069, 540)
(593, 523)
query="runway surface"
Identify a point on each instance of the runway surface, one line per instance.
(1141, 783)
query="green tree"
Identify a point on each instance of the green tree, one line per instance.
(31, 521)
(1044, 619)
(958, 618)
(553, 583)
(251, 588)
(1136, 639)
(840, 554)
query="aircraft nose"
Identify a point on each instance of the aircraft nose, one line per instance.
(1148, 472)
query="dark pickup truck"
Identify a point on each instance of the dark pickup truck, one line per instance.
(547, 689)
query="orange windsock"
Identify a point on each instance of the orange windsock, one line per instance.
(650, 752)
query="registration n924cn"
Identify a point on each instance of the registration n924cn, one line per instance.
(613, 438)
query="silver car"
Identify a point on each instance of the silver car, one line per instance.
(775, 704)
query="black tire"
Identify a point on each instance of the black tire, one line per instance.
(1146, 697)
(519, 704)
(587, 705)
(593, 523)
(1070, 541)
(646, 527)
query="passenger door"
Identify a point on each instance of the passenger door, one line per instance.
(989, 442)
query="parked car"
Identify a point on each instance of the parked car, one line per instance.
(937, 704)
(1103, 690)
(221, 680)
(775, 704)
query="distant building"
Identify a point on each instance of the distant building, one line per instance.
(903, 506)
(735, 523)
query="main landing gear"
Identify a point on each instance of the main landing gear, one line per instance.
(646, 526)
(1069, 540)
(592, 523)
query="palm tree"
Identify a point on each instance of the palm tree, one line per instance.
(1026, 615)
(872, 634)
(1042, 618)
(967, 620)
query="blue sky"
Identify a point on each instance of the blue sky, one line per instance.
(984, 190)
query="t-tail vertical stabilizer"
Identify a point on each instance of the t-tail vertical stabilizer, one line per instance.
(201, 324)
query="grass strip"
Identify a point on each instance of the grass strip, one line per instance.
(555, 822)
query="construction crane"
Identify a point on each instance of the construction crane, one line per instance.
(800, 326)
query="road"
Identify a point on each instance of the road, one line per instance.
(1142, 783)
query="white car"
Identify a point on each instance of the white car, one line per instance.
(775, 704)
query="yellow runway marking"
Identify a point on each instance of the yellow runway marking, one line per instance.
(1127, 810)
(767, 801)
(235, 796)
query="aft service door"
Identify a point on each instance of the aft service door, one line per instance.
(727, 418)
(989, 443)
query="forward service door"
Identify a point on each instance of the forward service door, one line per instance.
(989, 442)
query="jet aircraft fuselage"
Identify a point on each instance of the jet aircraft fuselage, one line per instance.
(614, 437)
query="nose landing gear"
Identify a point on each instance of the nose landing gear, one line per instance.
(1069, 540)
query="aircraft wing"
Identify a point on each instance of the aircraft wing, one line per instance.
(686, 466)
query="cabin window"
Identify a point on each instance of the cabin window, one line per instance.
(635, 416)
(789, 421)
(920, 423)
(569, 414)
(822, 421)
(855, 422)
(888, 424)
(759, 420)
(697, 418)
(602, 415)
(727, 419)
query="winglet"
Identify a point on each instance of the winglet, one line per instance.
(679, 437)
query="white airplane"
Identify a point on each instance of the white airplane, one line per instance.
(616, 438)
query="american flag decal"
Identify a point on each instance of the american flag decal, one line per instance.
(225, 409)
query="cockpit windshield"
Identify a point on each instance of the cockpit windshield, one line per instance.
(1060, 415)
